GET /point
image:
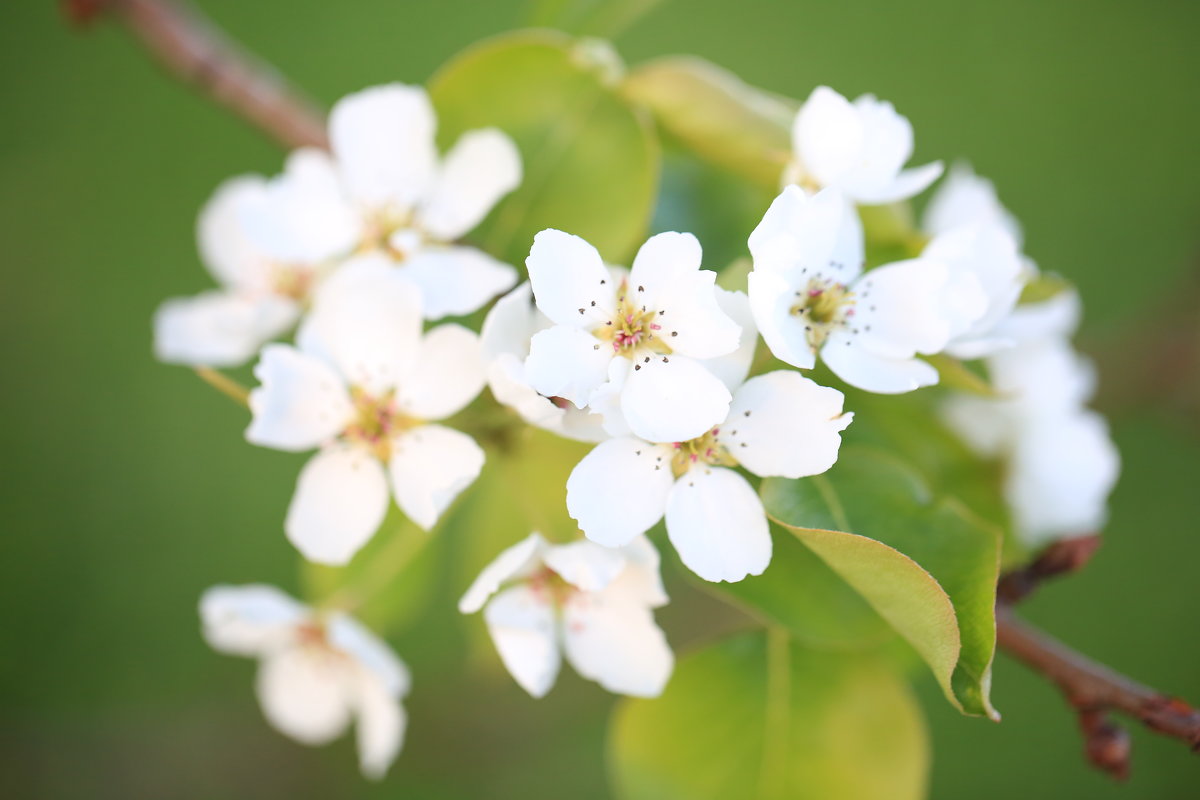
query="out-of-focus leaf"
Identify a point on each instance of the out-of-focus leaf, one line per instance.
(755, 717)
(802, 593)
(1044, 286)
(954, 374)
(716, 116)
(927, 566)
(590, 161)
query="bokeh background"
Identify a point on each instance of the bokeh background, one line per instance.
(127, 488)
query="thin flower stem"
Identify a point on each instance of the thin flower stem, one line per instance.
(777, 733)
(225, 385)
(200, 55)
(406, 544)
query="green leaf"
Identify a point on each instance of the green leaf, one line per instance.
(954, 374)
(755, 717)
(928, 566)
(591, 162)
(712, 113)
(802, 593)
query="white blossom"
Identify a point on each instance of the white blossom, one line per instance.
(779, 424)
(809, 294)
(858, 148)
(507, 330)
(592, 604)
(1060, 462)
(365, 386)
(259, 297)
(383, 189)
(317, 672)
(646, 333)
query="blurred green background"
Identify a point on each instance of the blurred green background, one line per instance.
(129, 488)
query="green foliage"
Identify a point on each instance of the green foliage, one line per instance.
(757, 716)
(925, 564)
(716, 116)
(591, 162)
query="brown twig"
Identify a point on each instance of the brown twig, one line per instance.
(200, 55)
(1093, 690)
(1067, 555)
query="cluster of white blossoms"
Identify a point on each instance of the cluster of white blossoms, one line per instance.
(651, 364)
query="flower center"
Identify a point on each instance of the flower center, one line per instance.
(706, 449)
(376, 422)
(391, 232)
(633, 328)
(824, 305)
(549, 586)
(291, 282)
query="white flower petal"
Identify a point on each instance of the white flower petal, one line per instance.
(366, 320)
(986, 425)
(783, 424)
(374, 655)
(302, 216)
(910, 306)
(383, 140)
(570, 282)
(908, 183)
(249, 620)
(510, 324)
(605, 402)
(619, 490)
(585, 565)
(1055, 317)
(804, 236)
(567, 362)
(692, 321)
(964, 198)
(301, 403)
(990, 255)
(380, 727)
(513, 563)
(482, 167)
(430, 466)
(771, 300)
(828, 136)
(611, 638)
(1043, 377)
(340, 501)
(642, 578)
(858, 366)
(1062, 470)
(672, 399)
(731, 369)
(455, 280)
(231, 256)
(447, 375)
(524, 630)
(219, 328)
(305, 693)
(717, 524)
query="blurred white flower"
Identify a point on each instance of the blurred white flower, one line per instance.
(779, 424)
(259, 297)
(383, 189)
(965, 198)
(507, 330)
(647, 333)
(592, 604)
(808, 294)
(362, 386)
(859, 148)
(316, 673)
(1060, 461)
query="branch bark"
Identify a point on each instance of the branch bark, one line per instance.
(200, 55)
(1093, 690)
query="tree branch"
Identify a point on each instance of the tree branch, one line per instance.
(200, 55)
(1094, 690)
(1060, 558)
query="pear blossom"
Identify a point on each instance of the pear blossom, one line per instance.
(382, 189)
(592, 604)
(317, 672)
(366, 388)
(1060, 462)
(647, 333)
(507, 330)
(260, 297)
(779, 424)
(965, 198)
(809, 295)
(858, 148)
